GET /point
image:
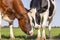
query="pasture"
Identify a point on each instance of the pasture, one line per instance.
(19, 35)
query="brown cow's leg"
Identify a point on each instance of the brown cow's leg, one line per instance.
(11, 30)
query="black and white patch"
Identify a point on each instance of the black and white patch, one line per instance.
(51, 9)
(40, 5)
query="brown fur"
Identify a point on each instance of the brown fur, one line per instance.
(15, 9)
(24, 21)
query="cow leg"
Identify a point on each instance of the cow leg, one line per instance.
(43, 31)
(45, 17)
(11, 30)
(39, 34)
(33, 14)
(50, 34)
(31, 32)
(0, 23)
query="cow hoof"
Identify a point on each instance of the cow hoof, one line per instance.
(31, 33)
(43, 38)
(12, 38)
(38, 38)
(36, 27)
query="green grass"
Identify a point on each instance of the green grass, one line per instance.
(21, 35)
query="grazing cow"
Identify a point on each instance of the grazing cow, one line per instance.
(11, 9)
(42, 11)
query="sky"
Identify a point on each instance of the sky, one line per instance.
(55, 21)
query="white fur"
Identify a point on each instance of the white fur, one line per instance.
(11, 31)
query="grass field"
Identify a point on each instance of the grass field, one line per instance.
(19, 35)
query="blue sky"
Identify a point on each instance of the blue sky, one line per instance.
(56, 19)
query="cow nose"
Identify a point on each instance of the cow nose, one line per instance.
(31, 33)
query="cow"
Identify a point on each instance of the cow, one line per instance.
(42, 11)
(11, 9)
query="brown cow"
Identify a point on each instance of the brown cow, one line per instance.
(11, 9)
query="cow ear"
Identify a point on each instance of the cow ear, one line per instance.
(27, 10)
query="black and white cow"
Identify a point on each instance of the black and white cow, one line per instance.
(42, 11)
